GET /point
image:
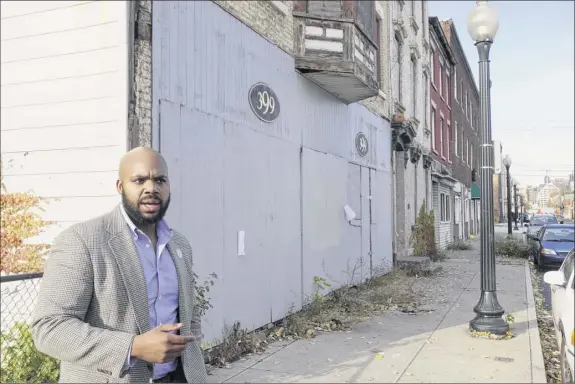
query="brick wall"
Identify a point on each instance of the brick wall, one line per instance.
(140, 107)
(265, 18)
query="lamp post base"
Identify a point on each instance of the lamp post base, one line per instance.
(489, 315)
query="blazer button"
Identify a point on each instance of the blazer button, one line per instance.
(150, 367)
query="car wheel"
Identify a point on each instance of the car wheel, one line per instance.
(566, 374)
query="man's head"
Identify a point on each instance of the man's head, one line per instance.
(144, 185)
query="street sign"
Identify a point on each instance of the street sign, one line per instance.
(264, 102)
(361, 144)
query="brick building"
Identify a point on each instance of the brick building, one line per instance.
(443, 62)
(465, 139)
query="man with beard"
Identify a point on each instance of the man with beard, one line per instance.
(118, 301)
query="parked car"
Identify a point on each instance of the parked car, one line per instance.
(538, 221)
(552, 244)
(562, 302)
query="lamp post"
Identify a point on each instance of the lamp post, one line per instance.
(507, 164)
(515, 205)
(482, 25)
(522, 205)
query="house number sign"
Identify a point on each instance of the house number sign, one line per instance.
(361, 144)
(264, 102)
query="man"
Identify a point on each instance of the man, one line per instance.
(118, 301)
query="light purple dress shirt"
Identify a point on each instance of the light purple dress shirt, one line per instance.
(161, 283)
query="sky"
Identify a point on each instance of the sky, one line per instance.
(532, 72)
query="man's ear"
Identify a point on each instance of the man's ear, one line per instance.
(119, 186)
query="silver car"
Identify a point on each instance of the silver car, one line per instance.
(538, 221)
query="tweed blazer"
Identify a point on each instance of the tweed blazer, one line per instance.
(93, 301)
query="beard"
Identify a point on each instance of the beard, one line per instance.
(138, 218)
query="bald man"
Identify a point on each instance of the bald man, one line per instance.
(117, 302)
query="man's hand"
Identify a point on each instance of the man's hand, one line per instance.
(159, 346)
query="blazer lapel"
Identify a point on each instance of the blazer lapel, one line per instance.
(123, 248)
(179, 263)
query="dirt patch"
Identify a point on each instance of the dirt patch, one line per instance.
(551, 354)
(336, 311)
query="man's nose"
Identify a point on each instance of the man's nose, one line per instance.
(151, 187)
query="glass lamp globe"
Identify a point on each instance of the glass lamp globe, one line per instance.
(507, 161)
(482, 23)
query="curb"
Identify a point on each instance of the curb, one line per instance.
(537, 364)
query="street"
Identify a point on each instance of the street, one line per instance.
(545, 290)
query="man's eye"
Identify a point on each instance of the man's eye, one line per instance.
(138, 181)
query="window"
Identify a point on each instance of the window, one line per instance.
(465, 104)
(457, 210)
(441, 136)
(433, 128)
(413, 65)
(448, 141)
(567, 267)
(397, 68)
(426, 101)
(461, 90)
(447, 86)
(455, 82)
(471, 116)
(444, 208)
(471, 155)
(466, 150)
(434, 66)
(440, 79)
(378, 53)
(424, 19)
(455, 136)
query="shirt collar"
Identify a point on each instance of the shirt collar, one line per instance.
(162, 227)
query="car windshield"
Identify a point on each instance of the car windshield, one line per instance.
(542, 220)
(566, 234)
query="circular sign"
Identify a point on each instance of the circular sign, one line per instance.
(361, 144)
(264, 102)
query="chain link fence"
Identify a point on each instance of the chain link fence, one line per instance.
(20, 361)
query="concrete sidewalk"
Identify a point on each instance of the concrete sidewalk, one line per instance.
(432, 345)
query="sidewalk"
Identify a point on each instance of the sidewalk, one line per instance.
(432, 345)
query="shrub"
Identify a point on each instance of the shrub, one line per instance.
(511, 246)
(423, 235)
(22, 362)
(459, 245)
(20, 221)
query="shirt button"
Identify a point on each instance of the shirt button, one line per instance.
(147, 245)
(161, 297)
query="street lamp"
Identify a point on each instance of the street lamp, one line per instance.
(522, 205)
(515, 205)
(507, 164)
(482, 25)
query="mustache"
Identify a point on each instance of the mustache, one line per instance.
(153, 199)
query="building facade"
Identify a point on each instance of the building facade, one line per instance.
(465, 148)
(442, 181)
(268, 151)
(410, 73)
(276, 131)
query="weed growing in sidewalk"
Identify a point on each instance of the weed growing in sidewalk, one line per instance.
(335, 311)
(422, 237)
(513, 247)
(459, 245)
